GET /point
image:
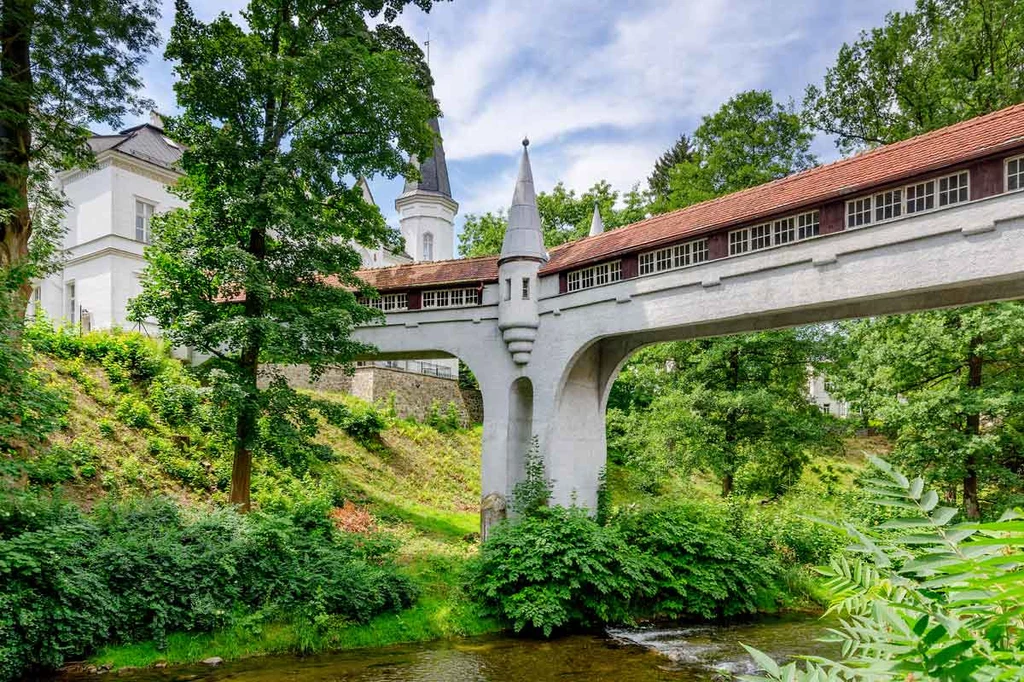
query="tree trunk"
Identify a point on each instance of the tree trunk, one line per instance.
(730, 423)
(974, 365)
(245, 426)
(16, 25)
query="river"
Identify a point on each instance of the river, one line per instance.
(684, 653)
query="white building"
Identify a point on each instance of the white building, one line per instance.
(111, 204)
(818, 393)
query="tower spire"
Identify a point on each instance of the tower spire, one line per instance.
(524, 237)
(596, 224)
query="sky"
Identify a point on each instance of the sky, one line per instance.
(601, 88)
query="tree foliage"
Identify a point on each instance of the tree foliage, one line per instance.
(276, 116)
(943, 62)
(64, 65)
(680, 152)
(750, 140)
(923, 597)
(735, 407)
(946, 385)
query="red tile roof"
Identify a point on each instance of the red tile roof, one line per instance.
(437, 272)
(966, 141)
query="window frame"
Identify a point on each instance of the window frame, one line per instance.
(526, 289)
(856, 207)
(1019, 174)
(71, 300)
(960, 189)
(149, 210)
(597, 275)
(451, 297)
(678, 256)
(428, 244)
(388, 303)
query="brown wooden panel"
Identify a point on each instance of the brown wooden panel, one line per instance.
(987, 178)
(630, 266)
(718, 245)
(415, 299)
(832, 217)
(563, 282)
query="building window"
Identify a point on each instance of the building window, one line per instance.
(143, 217)
(1015, 174)
(508, 289)
(596, 275)
(36, 304)
(678, 256)
(858, 212)
(388, 302)
(807, 225)
(953, 189)
(451, 298)
(739, 241)
(70, 301)
(760, 237)
(526, 288)
(921, 197)
(428, 246)
(888, 205)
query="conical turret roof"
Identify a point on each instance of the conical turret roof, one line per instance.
(433, 170)
(596, 224)
(523, 235)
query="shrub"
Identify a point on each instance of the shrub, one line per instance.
(134, 413)
(70, 582)
(107, 429)
(557, 568)
(700, 565)
(533, 492)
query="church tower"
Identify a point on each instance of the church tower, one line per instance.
(522, 255)
(426, 210)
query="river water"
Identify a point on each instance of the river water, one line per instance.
(685, 653)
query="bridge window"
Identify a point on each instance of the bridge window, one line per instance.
(594, 276)
(451, 298)
(858, 212)
(921, 197)
(784, 231)
(888, 205)
(387, 302)
(739, 241)
(678, 256)
(1015, 174)
(953, 189)
(526, 288)
(808, 225)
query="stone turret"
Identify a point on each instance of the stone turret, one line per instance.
(596, 224)
(522, 255)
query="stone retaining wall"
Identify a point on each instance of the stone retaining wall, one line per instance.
(414, 394)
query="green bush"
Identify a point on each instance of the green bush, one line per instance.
(557, 568)
(700, 565)
(60, 464)
(70, 582)
(134, 413)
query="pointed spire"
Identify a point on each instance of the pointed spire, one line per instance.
(596, 224)
(433, 171)
(523, 235)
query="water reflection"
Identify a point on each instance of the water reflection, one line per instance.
(681, 654)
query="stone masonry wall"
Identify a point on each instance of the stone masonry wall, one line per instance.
(414, 393)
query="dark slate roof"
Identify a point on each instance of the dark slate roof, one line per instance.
(433, 171)
(145, 142)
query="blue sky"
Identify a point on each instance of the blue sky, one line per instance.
(601, 87)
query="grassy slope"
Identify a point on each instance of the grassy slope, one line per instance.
(421, 485)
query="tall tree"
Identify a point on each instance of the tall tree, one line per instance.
(63, 65)
(565, 216)
(735, 407)
(680, 152)
(943, 62)
(750, 140)
(276, 117)
(947, 386)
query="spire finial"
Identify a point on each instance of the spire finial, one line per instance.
(526, 141)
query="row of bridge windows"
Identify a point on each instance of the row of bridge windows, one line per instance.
(436, 298)
(918, 197)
